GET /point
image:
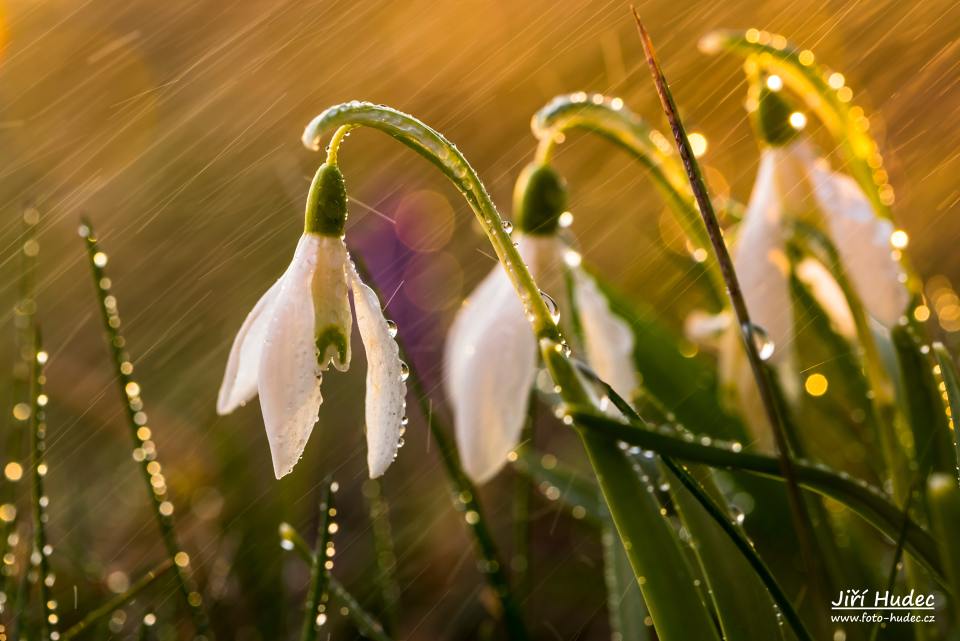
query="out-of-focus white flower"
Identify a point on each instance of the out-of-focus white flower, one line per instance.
(491, 352)
(300, 327)
(794, 185)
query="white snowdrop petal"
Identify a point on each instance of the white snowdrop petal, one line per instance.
(490, 363)
(333, 319)
(386, 390)
(760, 260)
(863, 241)
(289, 379)
(608, 339)
(240, 378)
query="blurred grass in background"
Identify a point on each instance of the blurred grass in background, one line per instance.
(176, 127)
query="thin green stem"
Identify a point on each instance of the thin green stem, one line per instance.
(314, 612)
(333, 148)
(386, 557)
(748, 330)
(41, 549)
(145, 449)
(365, 622)
(118, 601)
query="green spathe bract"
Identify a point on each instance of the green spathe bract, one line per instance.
(539, 199)
(326, 203)
(772, 118)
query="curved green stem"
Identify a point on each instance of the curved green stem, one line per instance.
(610, 119)
(430, 144)
(869, 502)
(825, 94)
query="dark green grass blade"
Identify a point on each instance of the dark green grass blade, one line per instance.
(314, 611)
(943, 495)
(933, 441)
(870, 503)
(951, 383)
(144, 446)
(626, 608)
(577, 493)
(365, 623)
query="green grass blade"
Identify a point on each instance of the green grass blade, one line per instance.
(943, 495)
(365, 622)
(868, 502)
(379, 512)
(951, 382)
(24, 322)
(41, 549)
(145, 451)
(626, 608)
(577, 493)
(934, 447)
(117, 602)
(721, 554)
(314, 611)
(651, 543)
(652, 546)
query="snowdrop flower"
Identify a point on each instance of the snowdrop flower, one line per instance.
(301, 326)
(491, 355)
(794, 185)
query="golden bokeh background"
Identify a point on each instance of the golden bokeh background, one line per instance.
(175, 126)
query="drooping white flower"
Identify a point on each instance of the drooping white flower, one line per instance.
(491, 355)
(300, 327)
(794, 185)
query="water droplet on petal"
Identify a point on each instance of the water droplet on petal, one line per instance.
(392, 328)
(404, 371)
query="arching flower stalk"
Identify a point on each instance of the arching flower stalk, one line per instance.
(302, 325)
(489, 389)
(609, 118)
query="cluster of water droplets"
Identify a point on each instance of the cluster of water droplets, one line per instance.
(145, 449)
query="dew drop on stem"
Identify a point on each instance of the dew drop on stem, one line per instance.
(552, 306)
(761, 342)
(508, 226)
